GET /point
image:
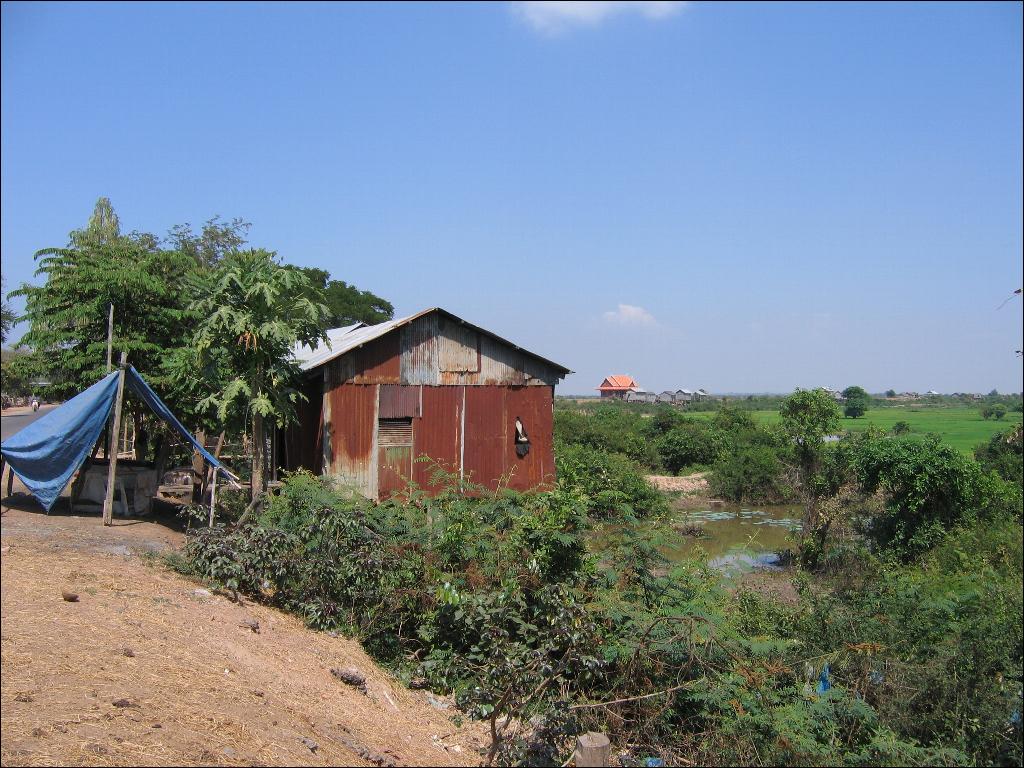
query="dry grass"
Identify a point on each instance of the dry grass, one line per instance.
(200, 688)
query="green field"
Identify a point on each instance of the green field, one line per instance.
(963, 428)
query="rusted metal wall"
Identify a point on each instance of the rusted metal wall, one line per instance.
(438, 433)
(376, 363)
(398, 401)
(487, 435)
(350, 429)
(437, 350)
(534, 406)
(469, 431)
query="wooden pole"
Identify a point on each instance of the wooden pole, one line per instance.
(108, 500)
(213, 496)
(110, 339)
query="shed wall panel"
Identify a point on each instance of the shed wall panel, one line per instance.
(487, 435)
(418, 348)
(375, 363)
(399, 401)
(351, 430)
(437, 434)
(458, 348)
(533, 405)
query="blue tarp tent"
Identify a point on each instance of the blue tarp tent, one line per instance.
(47, 452)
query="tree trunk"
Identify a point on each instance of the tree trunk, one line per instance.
(258, 457)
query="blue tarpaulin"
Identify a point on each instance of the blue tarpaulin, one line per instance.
(47, 452)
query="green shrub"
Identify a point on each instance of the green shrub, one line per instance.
(1004, 455)
(609, 484)
(752, 473)
(691, 442)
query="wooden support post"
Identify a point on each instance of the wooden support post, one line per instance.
(213, 496)
(108, 500)
(592, 749)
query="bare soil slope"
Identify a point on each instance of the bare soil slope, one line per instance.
(149, 669)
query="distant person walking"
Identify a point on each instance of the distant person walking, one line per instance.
(35, 403)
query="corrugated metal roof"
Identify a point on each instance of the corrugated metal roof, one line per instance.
(351, 337)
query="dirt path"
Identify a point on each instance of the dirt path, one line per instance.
(147, 668)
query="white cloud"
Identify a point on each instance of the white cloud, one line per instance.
(627, 314)
(552, 16)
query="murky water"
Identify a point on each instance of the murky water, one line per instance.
(733, 538)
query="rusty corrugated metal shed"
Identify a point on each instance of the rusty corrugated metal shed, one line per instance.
(356, 337)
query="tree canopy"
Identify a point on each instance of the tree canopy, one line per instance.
(857, 401)
(346, 304)
(250, 312)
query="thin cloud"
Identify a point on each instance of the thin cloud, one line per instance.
(552, 16)
(629, 315)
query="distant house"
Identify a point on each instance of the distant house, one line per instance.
(640, 396)
(700, 394)
(618, 386)
(836, 394)
(667, 397)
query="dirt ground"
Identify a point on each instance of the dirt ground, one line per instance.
(149, 668)
(690, 484)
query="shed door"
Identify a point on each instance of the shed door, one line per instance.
(394, 457)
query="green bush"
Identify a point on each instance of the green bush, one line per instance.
(929, 488)
(691, 443)
(609, 484)
(752, 473)
(1004, 455)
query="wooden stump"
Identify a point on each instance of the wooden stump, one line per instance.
(592, 750)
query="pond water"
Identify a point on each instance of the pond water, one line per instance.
(739, 538)
(733, 538)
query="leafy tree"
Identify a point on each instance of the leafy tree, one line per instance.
(901, 428)
(346, 304)
(808, 416)
(7, 316)
(252, 311)
(212, 243)
(68, 313)
(890, 393)
(998, 411)
(857, 400)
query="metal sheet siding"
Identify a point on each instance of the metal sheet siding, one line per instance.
(376, 363)
(418, 345)
(350, 427)
(533, 405)
(458, 348)
(487, 435)
(398, 401)
(437, 434)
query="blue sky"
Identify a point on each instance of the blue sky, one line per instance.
(740, 197)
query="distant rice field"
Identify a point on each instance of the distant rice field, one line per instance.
(962, 428)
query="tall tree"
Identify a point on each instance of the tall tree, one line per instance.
(856, 402)
(68, 313)
(8, 317)
(346, 304)
(214, 241)
(808, 417)
(252, 310)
